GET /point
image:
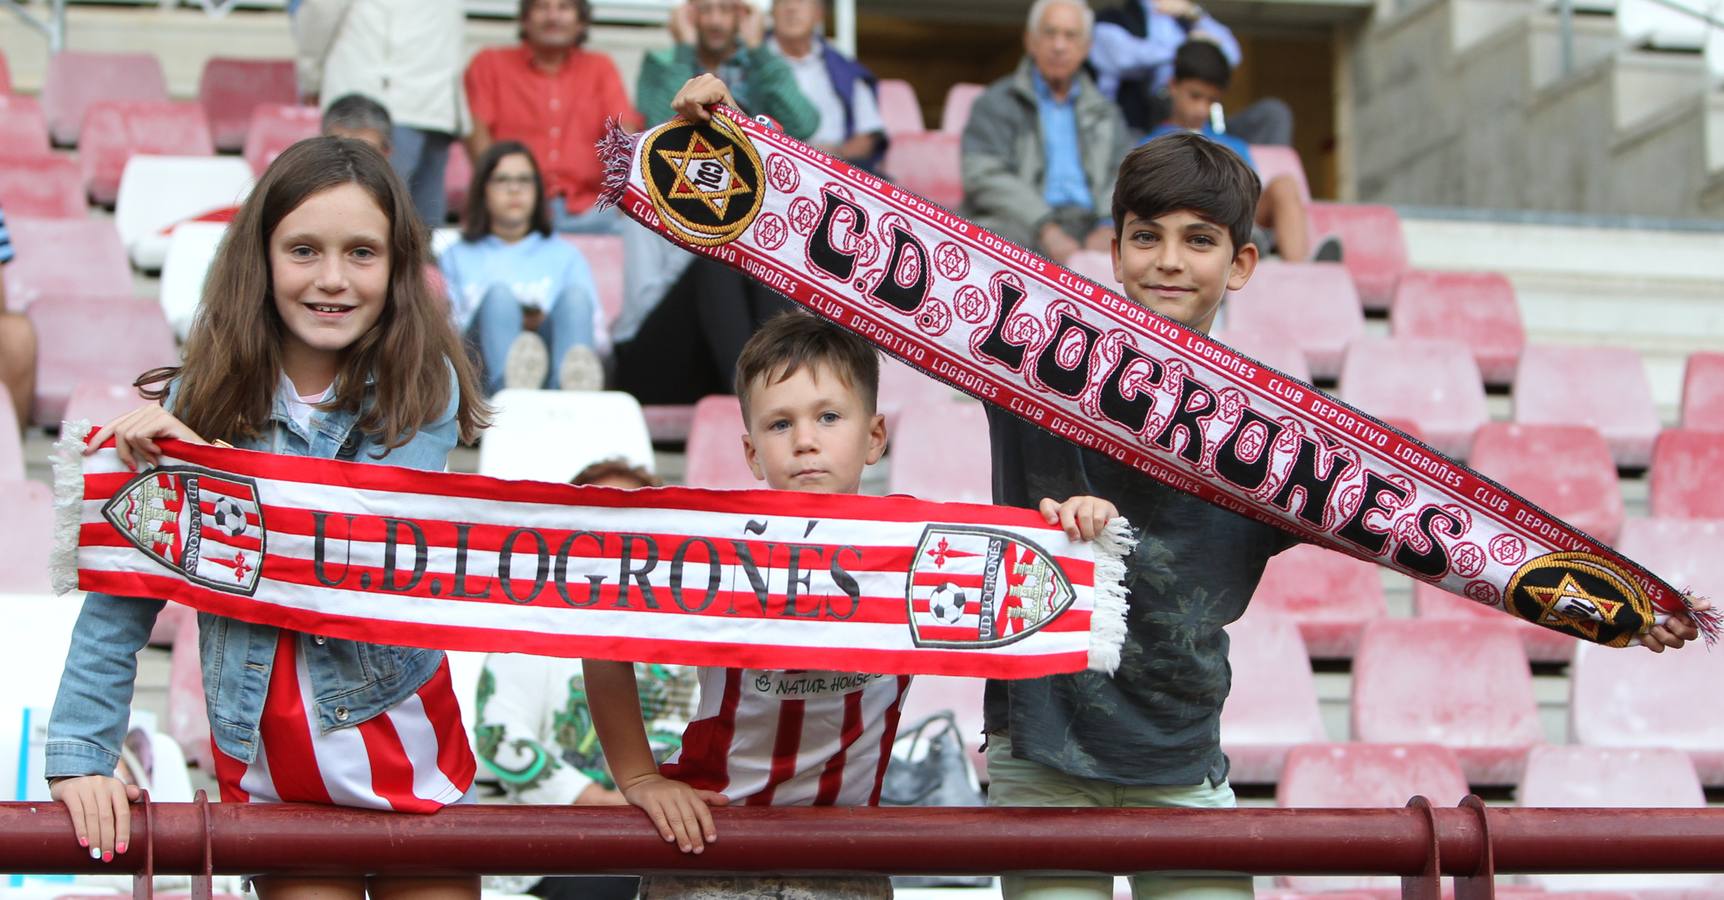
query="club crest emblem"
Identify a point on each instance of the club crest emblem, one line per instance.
(1580, 594)
(205, 526)
(704, 180)
(977, 587)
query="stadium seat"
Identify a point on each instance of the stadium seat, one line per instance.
(101, 402)
(1476, 308)
(927, 164)
(31, 660)
(1373, 247)
(191, 249)
(159, 192)
(1434, 383)
(5, 76)
(457, 177)
(940, 452)
(1464, 685)
(1272, 162)
(95, 339)
(604, 253)
(1688, 474)
(1096, 266)
(62, 258)
(229, 89)
(23, 128)
(551, 435)
(1273, 705)
(1541, 644)
(169, 623)
(1330, 595)
(1604, 387)
(955, 114)
(188, 716)
(903, 387)
(27, 528)
(274, 128)
(1269, 347)
(668, 423)
(899, 108)
(77, 79)
(1564, 469)
(1328, 776)
(41, 187)
(115, 132)
(11, 442)
(931, 694)
(1703, 391)
(1313, 304)
(715, 447)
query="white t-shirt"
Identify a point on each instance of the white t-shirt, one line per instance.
(300, 408)
(816, 85)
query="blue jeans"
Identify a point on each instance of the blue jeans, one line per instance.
(593, 221)
(420, 158)
(498, 321)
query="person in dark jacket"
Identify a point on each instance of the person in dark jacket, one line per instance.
(841, 89)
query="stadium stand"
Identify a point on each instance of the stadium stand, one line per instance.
(191, 249)
(1564, 469)
(926, 164)
(63, 258)
(94, 339)
(101, 402)
(1476, 308)
(1431, 382)
(230, 89)
(1096, 266)
(955, 113)
(604, 253)
(715, 447)
(158, 193)
(274, 128)
(899, 109)
(115, 132)
(549, 435)
(1313, 304)
(1273, 705)
(1687, 476)
(1374, 249)
(1604, 387)
(41, 187)
(78, 79)
(188, 720)
(902, 387)
(1272, 162)
(1703, 391)
(1330, 595)
(27, 527)
(934, 455)
(23, 128)
(11, 443)
(1541, 644)
(1268, 346)
(457, 176)
(5, 75)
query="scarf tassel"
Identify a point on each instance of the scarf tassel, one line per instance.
(616, 153)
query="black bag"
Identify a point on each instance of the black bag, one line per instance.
(931, 767)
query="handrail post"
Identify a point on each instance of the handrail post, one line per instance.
(1481, 884)
(144, 882)
(1427, 885)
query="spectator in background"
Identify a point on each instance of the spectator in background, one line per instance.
(405, 54)
(841, 89)
(359, 118)
(523, 297)
(17, 344)
(1042, 145)
(1133, 59)
(555, 97)
(725, 37)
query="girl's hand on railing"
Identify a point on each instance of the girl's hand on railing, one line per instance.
(678, 811)
(100, 815)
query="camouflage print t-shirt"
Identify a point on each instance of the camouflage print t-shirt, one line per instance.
(1157, 720)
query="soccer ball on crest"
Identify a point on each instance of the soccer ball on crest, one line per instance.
(229, 517)
(946, 604)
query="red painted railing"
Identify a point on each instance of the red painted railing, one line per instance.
(1418, 842)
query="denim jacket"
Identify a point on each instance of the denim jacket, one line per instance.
(351, 681)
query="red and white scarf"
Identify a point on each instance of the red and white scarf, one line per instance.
(1000, 323)
(759, 579)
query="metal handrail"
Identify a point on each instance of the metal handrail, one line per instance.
(1565, 27)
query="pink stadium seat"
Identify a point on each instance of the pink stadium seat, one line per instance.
(1688, 474)
(23, 129)
(1703, 392)
(604, 253)
(955, 114)
(1476, 308)
(715, 447)
(1433, 383)
(274, 128)
(1327, 776)
(61, 258)
(1096, 266)
(229, 89)
(77, 79)
(168, 624)
(457, 176)
(41, 187)
(188, 717)
(940, 452)
(931, 694)
(668, 423)
(1273, 705)
(899, 108)
(1331, 596)
(1314, 304)
(115, 131)
(1464, 685)
(1373, 248)
(903, 387)
(927, 164)
(5, 76)
(101, 402)
(11, 442)
(1541, 644)
(1272, 162)
(91, 339)
(1565, 469)
(27, 528)
(1604, 387)
(1271, 348)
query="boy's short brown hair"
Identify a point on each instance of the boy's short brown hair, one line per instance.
(1186, 171)
(616, 467)
(791, 340)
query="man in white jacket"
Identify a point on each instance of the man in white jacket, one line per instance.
(406, 55)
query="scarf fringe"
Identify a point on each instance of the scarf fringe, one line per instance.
(1107, 619)
(1709, 621)
(68, 462)
(616, 153)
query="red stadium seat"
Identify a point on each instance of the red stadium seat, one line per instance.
(715, 447)
(604, 253)
(61, 258)
(1464, 685)
(1604, 387)
(1271, 348)
(1331, 596)
(229, 89)
(1476, 308)
(899, 108)
(1273, 705)
(955, 114)
(1272, 162)
(1373, 248)
(77, 79)
(27, 528)
(927, 164)
(41, 187)
(23, 128)
(101, 402)
(1688, 474)
(113, 132)
(940, 452)
(1433, 383)
(903, 387)
(1541, 644)
(962, 697)
(1565, 469)
(274, 128)
(188, 717)
(457, 177)
(1314, 304)
(91, 339)
(1703, 392)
